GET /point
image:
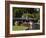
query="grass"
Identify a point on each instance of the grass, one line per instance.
(19, 27)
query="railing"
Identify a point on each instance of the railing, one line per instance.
(21, 19)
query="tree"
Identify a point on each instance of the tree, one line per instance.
(26, 13)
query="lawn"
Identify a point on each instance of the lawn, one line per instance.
(19, 27)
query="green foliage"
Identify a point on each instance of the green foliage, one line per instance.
(32, 13)
(27, 15)
(17, 12)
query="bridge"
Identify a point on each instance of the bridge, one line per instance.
(23, 19)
